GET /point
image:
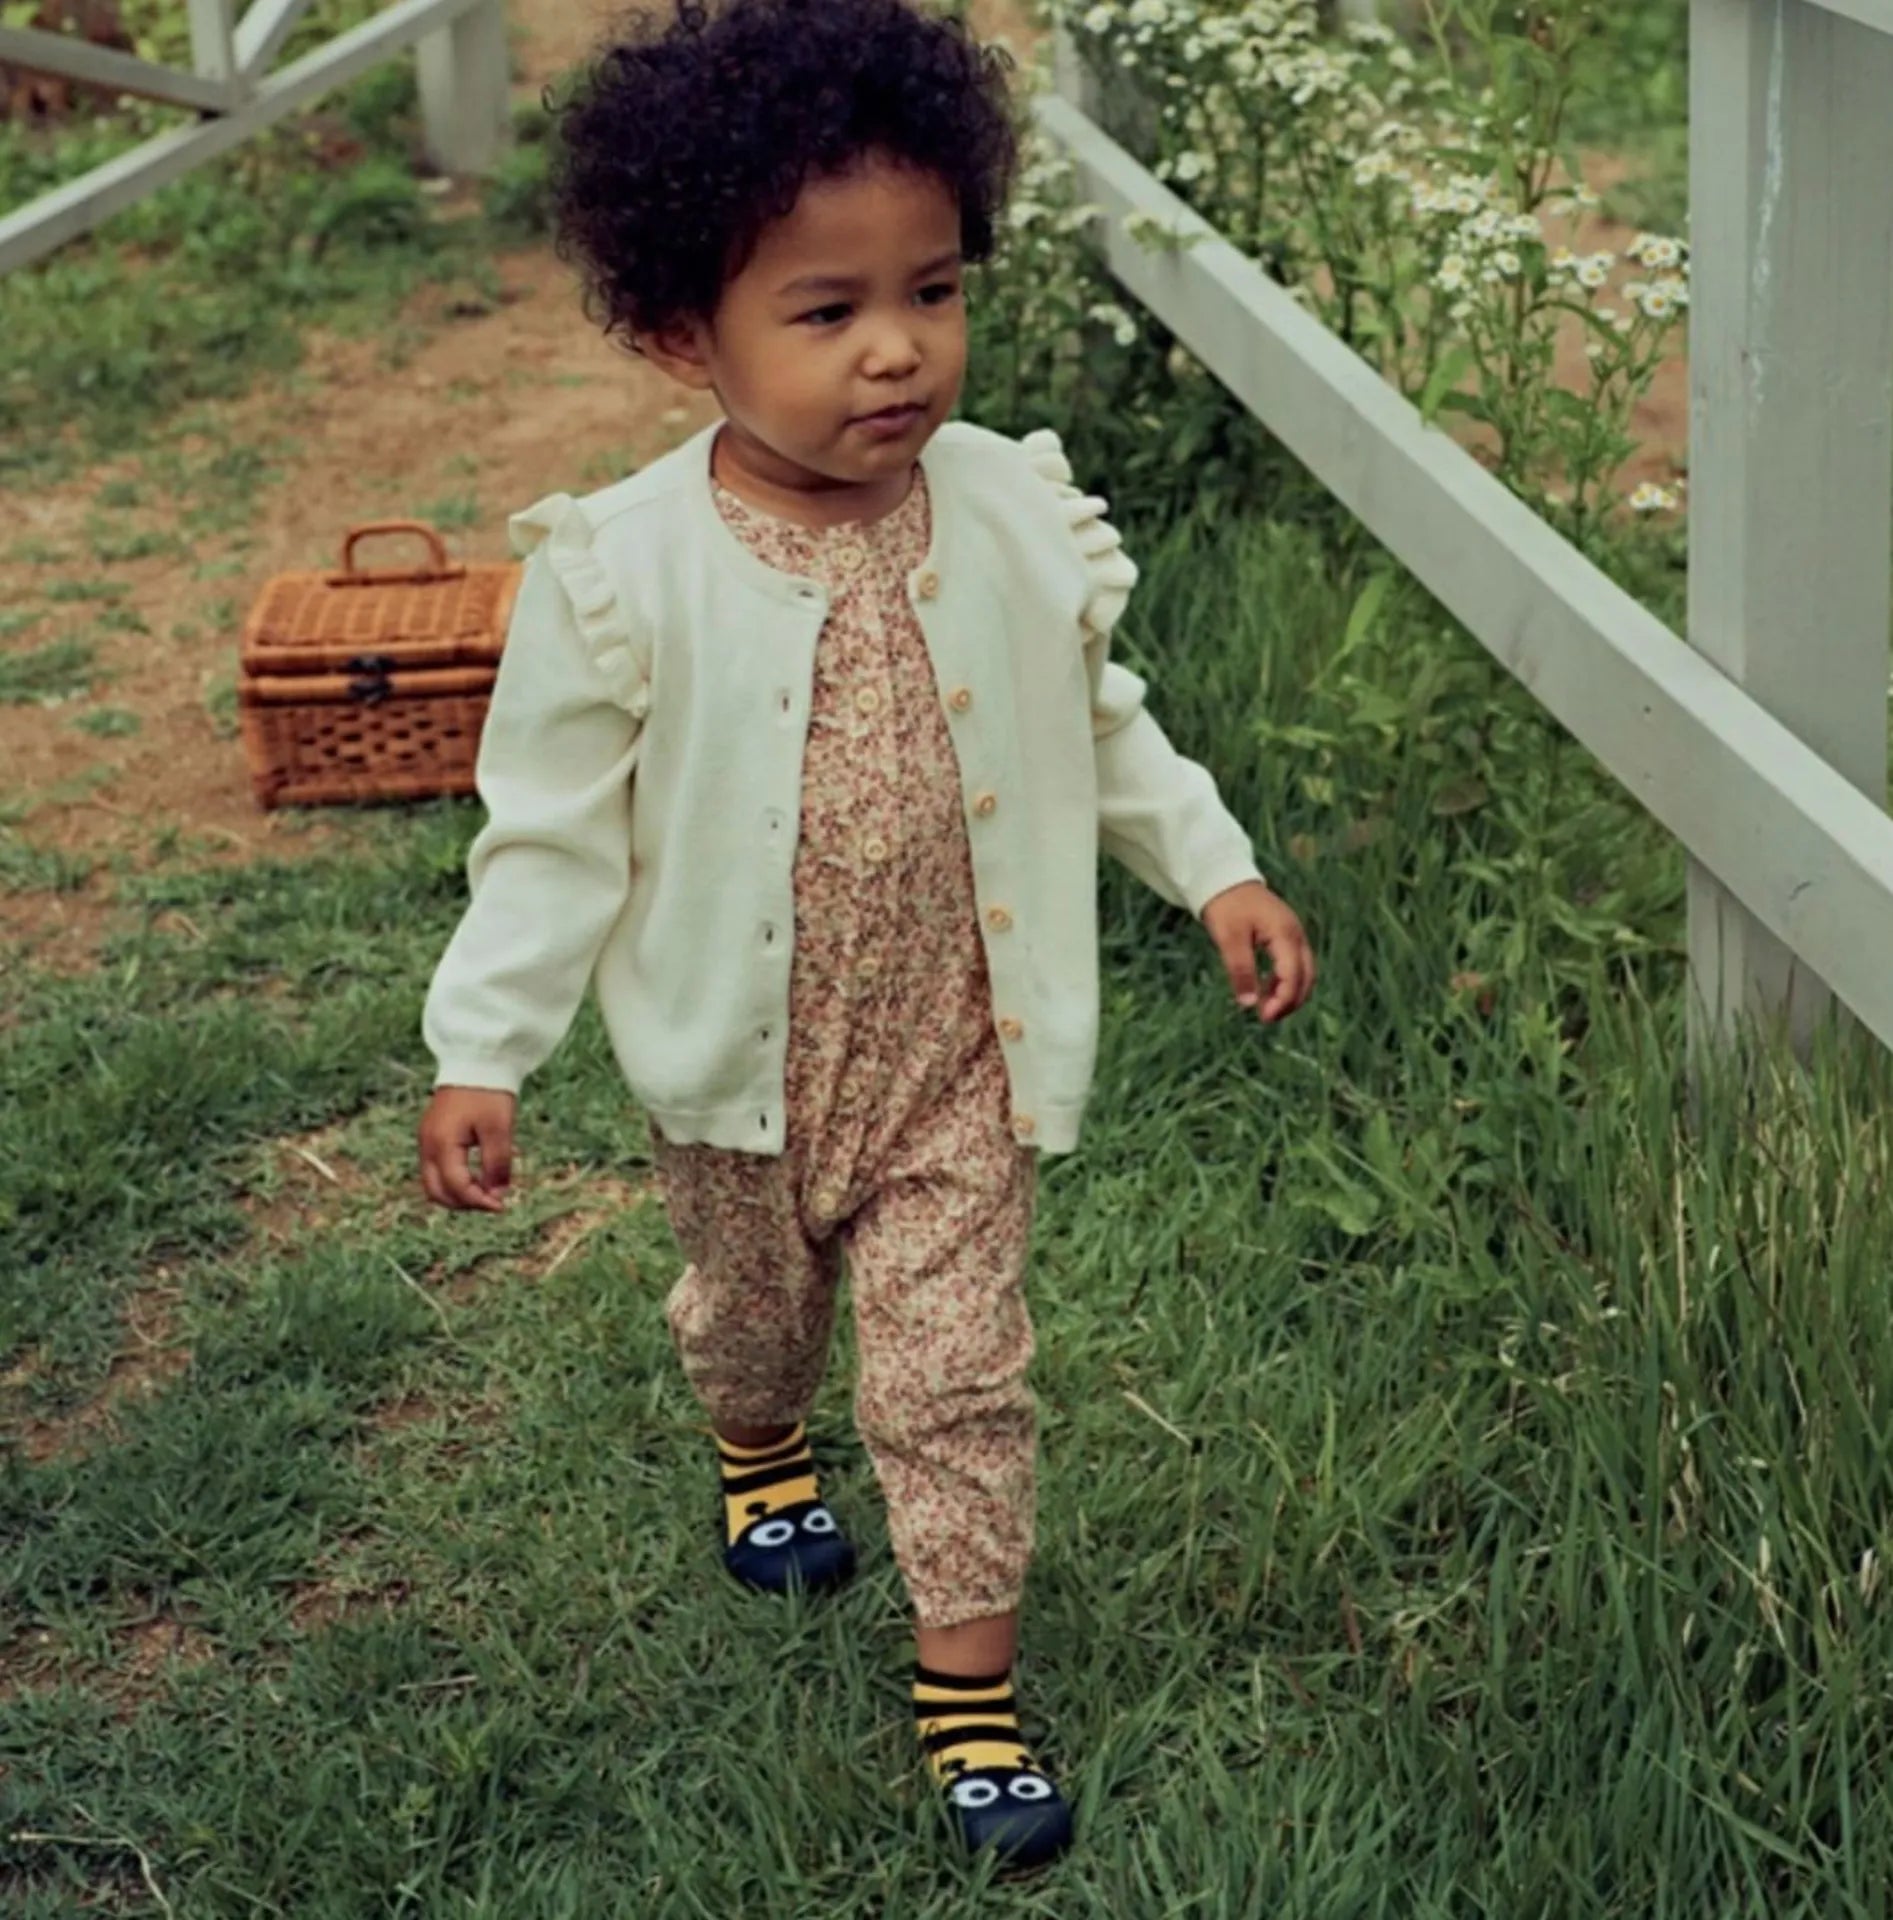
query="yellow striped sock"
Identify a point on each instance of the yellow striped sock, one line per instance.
(966, 1724)
(759, 1481)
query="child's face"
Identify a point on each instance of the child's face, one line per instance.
(852, 305)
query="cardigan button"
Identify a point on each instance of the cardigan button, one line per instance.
(928, 585)
(986, 805)
(999, 919)
(1010, 1029)
(1024, 1125)
(960, 699)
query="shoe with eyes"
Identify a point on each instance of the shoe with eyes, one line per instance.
(997, 1796)
(778, 1536)
(1016, 1812)
(789, 1548)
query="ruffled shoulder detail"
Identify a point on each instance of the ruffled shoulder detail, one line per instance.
(561, 526)
(1113, 572)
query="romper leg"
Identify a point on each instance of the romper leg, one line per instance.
(753, 1313)
(938, 1260)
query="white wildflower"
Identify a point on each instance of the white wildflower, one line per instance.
(1108, 313)
(1656, 252)
(1508, 263)
(1561, 266)
(1372, 166)
(1650, 498)
(1098, 20)
(1191, 166)
(1654, 303)
(1593, 271)
(1451, 277)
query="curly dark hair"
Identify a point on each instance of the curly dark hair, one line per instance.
(696, 127)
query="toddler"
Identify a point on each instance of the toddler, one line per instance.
(804, 744)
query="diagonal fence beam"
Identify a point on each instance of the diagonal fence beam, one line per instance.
(1803, 848)
(74, 59)
(263, 30)
(49, 221)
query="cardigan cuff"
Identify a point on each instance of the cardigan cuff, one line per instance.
(477, 1075)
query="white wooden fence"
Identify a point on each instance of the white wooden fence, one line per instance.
(1761, 741)
(463, 77)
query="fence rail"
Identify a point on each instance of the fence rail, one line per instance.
(1761, 742)
(461, 49)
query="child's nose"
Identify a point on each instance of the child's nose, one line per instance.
(894, 349)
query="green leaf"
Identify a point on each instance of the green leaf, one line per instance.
(1443, 379)
(1465, 795)
(1360, 619)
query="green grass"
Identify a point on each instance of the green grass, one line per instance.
(1489, 1381)
(109, 723)
(201, 290)
(55, 671)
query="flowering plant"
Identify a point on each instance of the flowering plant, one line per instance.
(1423, 204)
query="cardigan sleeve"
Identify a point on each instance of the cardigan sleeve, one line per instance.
(1158, 813)
(550, 871)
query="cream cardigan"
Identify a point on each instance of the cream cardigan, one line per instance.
(641, 769)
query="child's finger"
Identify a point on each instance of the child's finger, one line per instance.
(462, 1185)
(496, 1156)
(1288, 989)
(1238, 952)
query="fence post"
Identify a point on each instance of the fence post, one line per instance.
(1791, 428)
(463, 73)
(213, 50)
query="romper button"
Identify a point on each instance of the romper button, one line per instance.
(1010, 1029)
(868, 700)
(960, 699)
(875, 848)
(999, 919)
(1024, 1125)
(869, 966)
(986, 805)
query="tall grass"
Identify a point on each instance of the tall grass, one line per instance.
(1462, 1484)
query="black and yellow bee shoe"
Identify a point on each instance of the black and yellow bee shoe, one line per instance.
(997, 1796)
(778, 1536)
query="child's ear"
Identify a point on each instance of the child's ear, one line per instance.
(680, 350)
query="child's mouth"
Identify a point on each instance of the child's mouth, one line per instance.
(891, 420)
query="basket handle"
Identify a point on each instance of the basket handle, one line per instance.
(439, 566)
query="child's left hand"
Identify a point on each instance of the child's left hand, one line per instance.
(1250, 916)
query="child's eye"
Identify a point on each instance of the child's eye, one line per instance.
(824, 316)
(940, 293)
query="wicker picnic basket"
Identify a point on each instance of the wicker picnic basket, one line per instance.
(366, 685)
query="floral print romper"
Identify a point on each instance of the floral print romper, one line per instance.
(900, 1153)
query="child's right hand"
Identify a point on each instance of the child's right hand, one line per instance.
(458, 1118)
